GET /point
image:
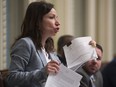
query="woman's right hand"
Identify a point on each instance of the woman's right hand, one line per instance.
(52, 67)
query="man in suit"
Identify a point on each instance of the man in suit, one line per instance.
(90, 71)
(109, 74)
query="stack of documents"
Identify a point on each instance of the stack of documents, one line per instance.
(64, 78)
(77, 53)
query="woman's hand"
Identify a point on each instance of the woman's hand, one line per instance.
(52, 67)
(93, 43)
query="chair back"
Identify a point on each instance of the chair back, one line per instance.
(3, 74)
(1, 80)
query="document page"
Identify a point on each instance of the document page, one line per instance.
(79, 51)
(64, 78)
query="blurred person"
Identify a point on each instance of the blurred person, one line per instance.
(62, 41)
(109, 74)
(90, 71)
(32, 56)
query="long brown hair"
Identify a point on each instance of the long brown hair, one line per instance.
(32, 21)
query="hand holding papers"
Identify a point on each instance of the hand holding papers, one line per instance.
(64, 78)
(79, 51)
(76, 53)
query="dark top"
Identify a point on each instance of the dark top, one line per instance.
(109, 74)
(63, 60)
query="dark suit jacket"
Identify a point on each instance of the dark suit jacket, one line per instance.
(109, 74)
(86, 78)
(62, 59)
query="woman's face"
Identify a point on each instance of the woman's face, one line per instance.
(50, 23)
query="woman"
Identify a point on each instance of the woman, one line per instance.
(32, 57)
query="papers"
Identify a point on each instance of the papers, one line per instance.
(64, 78)
(79, 52)
(76, 53)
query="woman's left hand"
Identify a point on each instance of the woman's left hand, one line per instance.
(93, 43)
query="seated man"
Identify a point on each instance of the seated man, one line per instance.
(90, 71)
(62, 41)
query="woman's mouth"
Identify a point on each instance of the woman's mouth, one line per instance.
(56, 30)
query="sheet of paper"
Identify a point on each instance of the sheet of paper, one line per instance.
(64, 78)
(79, 51)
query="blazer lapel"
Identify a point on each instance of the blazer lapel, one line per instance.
(52, 56)
(42, 57)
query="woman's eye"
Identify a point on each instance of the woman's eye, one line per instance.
(51, 17)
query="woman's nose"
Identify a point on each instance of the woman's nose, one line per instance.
(57, 22)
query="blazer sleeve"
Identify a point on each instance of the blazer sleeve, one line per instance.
(20, 56)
